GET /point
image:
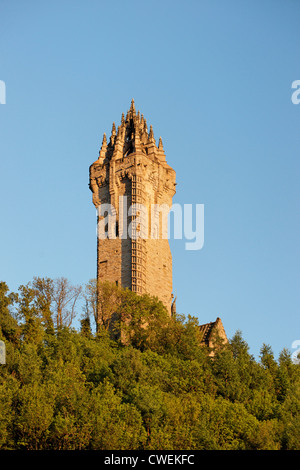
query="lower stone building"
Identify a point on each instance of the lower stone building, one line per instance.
(212, 333)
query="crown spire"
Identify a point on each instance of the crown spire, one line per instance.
(113, 134)
(104, 140)
(161, 153)
(145, 126)
(151, 134)
(132, 136)
(132, 108)
(103, 149)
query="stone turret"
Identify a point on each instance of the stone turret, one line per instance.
(132, 172)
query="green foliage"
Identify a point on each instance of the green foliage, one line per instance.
(9, 329)
(140, 381)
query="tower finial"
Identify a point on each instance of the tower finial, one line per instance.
(145, 126)
(102, 151)
(132, 108)
(161, 153)
(151, 135)
(113, 134)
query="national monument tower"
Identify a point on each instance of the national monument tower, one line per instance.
(131, 164)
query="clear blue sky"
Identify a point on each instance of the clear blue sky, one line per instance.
(214, 79)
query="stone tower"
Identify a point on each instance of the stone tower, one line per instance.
(130, 181)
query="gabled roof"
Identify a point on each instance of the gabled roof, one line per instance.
(209, 330)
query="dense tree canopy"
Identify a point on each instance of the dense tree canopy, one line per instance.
(151, 387)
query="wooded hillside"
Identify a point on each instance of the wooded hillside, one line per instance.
(66, 389)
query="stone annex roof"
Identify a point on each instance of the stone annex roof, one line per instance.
(208, 330)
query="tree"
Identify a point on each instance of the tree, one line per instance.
(9, 329)
(239, 347)
(32, 328)
(7, 390)
(45, 303)
(86, 327)
(101, 301)
(34, 416)
(65, 297)
(44, 294)
(140, 320)
(267, 359)
(115, 424)
(90, 299)
(182, 337)
(289, 416)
